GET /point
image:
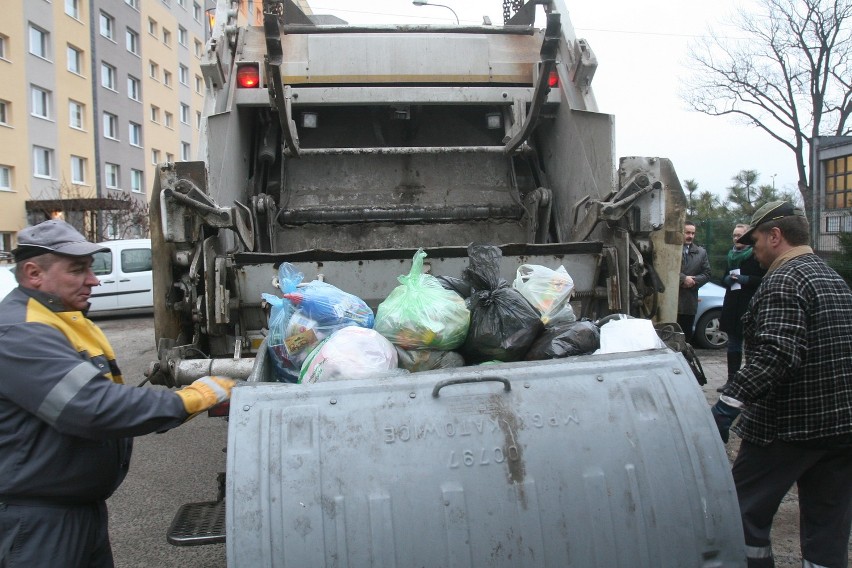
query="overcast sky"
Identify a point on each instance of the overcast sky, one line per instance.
(641, 47)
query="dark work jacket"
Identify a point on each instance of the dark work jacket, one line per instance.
(696, 265)
(736, 301)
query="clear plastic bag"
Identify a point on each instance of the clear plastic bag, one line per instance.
(421, 314)
(349, 353)
(549, 291)
(304, 316)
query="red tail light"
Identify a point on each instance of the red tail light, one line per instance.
(553, 79)
(221, 409)
(248, 76)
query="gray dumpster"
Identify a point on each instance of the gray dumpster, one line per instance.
(608, 460)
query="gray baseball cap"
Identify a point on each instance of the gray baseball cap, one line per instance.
(772, 211)
(54, 236)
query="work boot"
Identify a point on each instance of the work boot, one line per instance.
(735, 361)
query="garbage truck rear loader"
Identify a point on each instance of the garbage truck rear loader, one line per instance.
(342, 149)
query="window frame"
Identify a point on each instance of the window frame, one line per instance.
(78, 161)
(134, 173)
(111, 120)
(47, 154)
(104, 18)
(134, 88)
(76, 8)
(132, 41)
(7, 186)
(78, 59)
(72, 112)
(44, 103)
(111, 74)
(43, 43)
(116, 173)
(134, 139)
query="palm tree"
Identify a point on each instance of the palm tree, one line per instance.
(691, 187)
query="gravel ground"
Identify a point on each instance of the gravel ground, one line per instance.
(785, 529)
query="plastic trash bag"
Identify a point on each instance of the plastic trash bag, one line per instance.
(503, 324)
(549, 291)
(428, 359)
(565, 340)
(634, 334)
(305, 315)
(349, 353)
(421, 314)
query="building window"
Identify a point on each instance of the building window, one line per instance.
(155, 156)
(5, 178)
(155, 113)
(135, 134)
(107, 26)
(136, 181)
(196, 12)
(133, 4)
(5, 112)
(168, 119)
(3, 43)
(152, 27)
(108, 75)
(154, 70)
(75, 60)
(78, 169)
(39, 42)
(41, 103)
(132, 41)
(42, 162)
(170, 157)
(110, 126)
(72, 8)
(838, 182)
(184, 151)
(198, 48)
(182, 35)
(198, 119)
(184, 113)
(75, 115)
(111, 173)
(167, 37)
(167, 78)
(199, 84)
(134, 88)
(182, 3)
(183, 74)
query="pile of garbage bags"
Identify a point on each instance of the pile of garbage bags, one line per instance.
(318, 332)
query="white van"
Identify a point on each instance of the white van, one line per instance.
(125, 275)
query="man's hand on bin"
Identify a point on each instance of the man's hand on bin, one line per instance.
(724, 415)
(205, 392)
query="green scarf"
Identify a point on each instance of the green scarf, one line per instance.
(736, 257)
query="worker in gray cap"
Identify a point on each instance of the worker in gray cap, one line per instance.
(66, 417)
(794, 393)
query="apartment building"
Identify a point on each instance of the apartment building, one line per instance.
(94, 93)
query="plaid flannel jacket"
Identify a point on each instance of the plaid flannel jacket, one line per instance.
(797, 382)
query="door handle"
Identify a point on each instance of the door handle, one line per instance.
(107, 281)
(125, 280)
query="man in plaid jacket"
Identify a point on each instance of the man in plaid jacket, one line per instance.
(795, 394)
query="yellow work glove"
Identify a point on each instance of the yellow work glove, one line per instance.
(205, 392)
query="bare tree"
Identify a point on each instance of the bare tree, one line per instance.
(118, 216)
(789, 75)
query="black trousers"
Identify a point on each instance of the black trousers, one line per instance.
(764, 474)
(55, 536)
(686, 323)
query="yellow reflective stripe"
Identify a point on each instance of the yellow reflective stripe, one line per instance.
(759, 551)
(66, 389)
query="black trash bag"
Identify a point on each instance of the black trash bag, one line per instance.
(419, 360)
(457, 285)
(503, 324)
(565, 340)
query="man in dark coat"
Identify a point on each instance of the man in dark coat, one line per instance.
(742, 279)
(694, 273)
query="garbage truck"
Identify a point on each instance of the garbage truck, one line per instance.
(342, 150)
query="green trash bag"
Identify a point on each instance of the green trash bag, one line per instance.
(422, 314)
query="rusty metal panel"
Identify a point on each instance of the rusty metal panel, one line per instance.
(609, 460)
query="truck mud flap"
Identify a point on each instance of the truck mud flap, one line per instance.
(600, 460)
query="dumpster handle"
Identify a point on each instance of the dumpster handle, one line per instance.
(447, 382)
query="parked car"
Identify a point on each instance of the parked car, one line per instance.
(707, 334)
(7, 279)
(126, 278)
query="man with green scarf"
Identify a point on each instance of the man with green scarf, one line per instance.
(741, 280)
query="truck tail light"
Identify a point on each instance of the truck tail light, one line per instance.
(553, 79)
(221, 409)
(248, 76)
